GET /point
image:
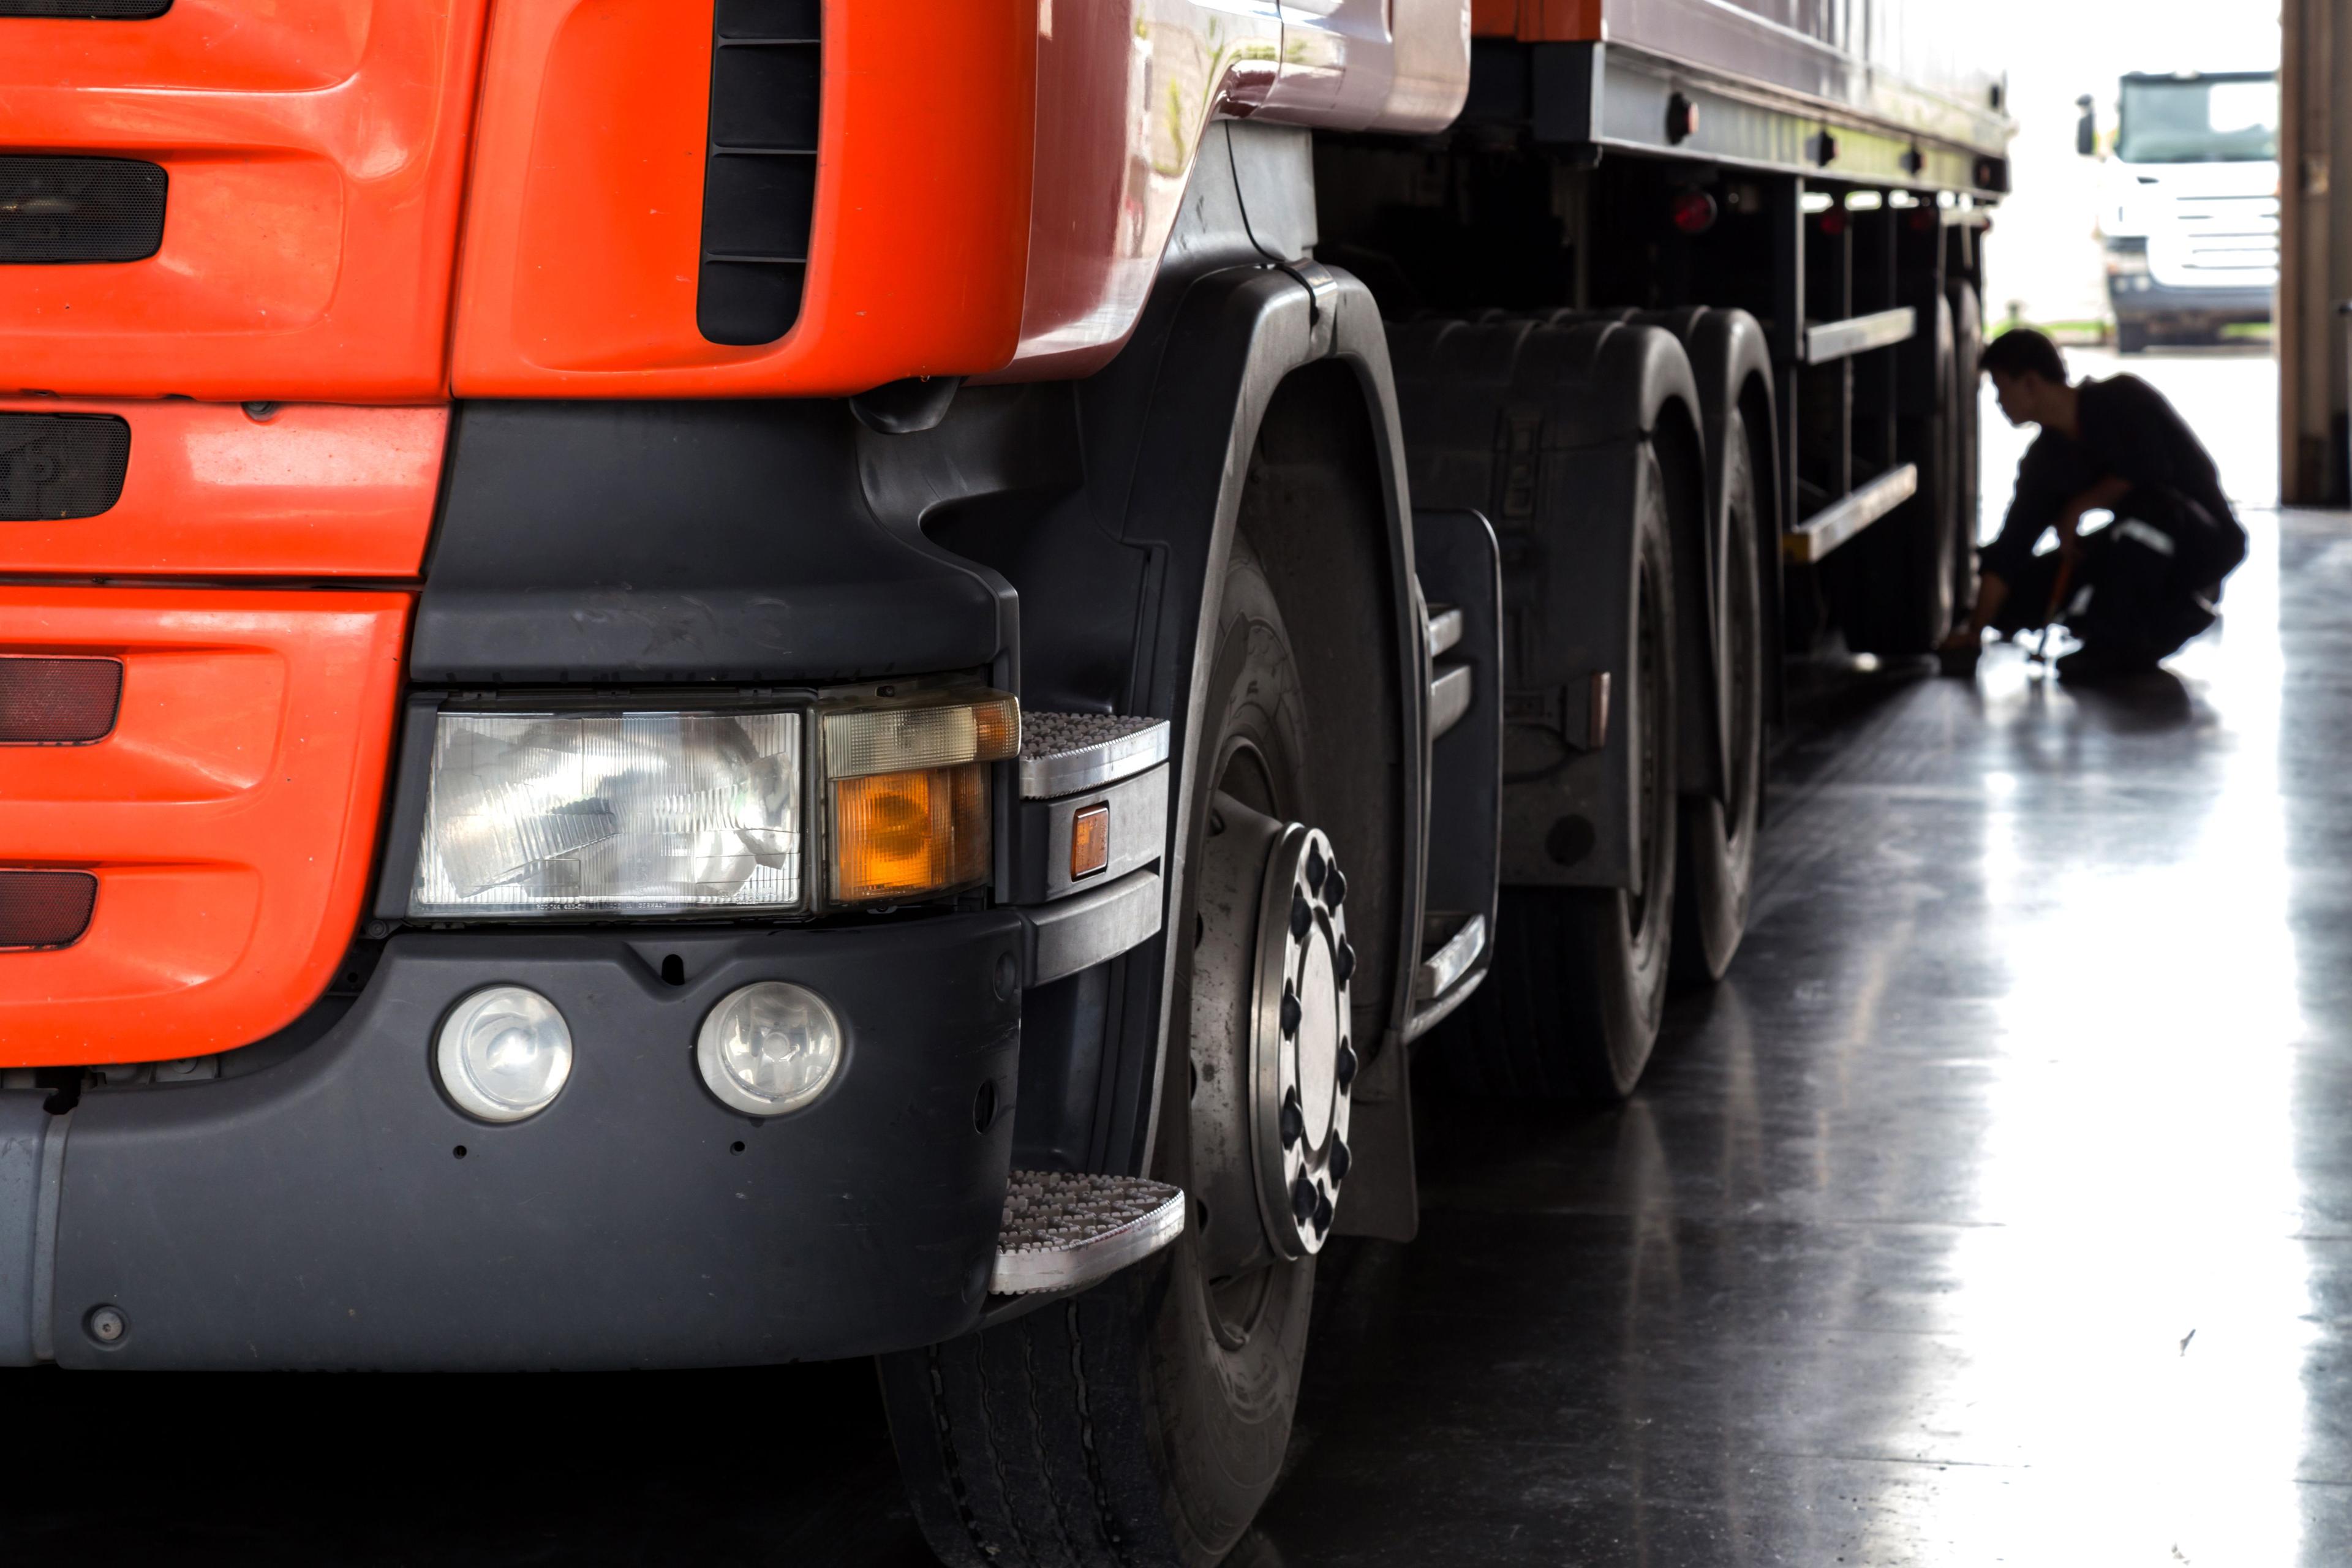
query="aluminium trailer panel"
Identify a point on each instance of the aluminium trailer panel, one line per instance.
(1893, 92)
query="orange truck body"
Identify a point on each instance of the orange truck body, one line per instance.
(377, 206)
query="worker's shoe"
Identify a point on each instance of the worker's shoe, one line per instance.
(2094, 663)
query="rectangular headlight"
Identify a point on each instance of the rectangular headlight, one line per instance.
(645, 813)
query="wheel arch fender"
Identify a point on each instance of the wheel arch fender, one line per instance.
(1248, 354)
(1542, 426)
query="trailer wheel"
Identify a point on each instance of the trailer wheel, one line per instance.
(2131, 337)
(1573, 1005)
(1893, 585)
(1967, 350)
(1718, 857)
(1145, 1422)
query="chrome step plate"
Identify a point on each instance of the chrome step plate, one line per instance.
(1064, 1232)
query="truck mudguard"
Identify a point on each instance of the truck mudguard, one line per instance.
(1543, 428)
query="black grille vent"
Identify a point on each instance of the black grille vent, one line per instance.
(79, 209)
(87, 10)
(56, 465)
(759, 187)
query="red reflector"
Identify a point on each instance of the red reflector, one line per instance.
(57, 701)
(1693, 212)
(45, 909)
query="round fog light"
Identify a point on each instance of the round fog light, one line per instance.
(504, 1053)
(768, 1048)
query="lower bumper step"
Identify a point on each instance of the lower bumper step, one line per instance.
(1064, 1232)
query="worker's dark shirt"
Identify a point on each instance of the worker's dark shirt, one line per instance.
(2128, 430)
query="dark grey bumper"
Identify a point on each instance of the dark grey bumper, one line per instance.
(2213, 305)
(317, 1215)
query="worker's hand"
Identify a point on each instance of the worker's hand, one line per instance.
(2070, 536)
(1963, 639)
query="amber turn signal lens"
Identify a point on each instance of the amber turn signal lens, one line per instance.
(909, 835)
(1089, 842)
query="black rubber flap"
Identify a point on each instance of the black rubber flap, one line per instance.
(59, 466)
(57, 701)
(45, 909)
(80, 209)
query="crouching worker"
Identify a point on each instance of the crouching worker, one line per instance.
(2132, 592)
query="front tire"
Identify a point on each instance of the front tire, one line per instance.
(1145, 1422)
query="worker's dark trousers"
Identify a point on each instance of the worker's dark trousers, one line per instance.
(2144, 585)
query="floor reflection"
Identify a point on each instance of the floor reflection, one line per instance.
(1995, 1211)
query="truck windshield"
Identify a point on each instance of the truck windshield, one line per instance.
(2198, 119)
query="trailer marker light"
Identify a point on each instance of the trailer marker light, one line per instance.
(768, 1048)
(504, 1053)
(1693, 212)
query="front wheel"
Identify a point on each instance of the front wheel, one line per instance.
(1145, 1422)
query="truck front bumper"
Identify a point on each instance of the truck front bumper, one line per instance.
(2143, 299)
(335, 1210)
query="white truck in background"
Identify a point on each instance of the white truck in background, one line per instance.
(2190, 203)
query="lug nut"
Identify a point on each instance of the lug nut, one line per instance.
(1343, 962)
(1340, 1160)
(1316, 866)
(1291, 1012)
(1300, 916)
(1322, 1214)
(1302, 1200)
(1346, 1066)
(1335, 888)
(1292, 1121)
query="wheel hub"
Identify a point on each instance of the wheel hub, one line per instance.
(1303, 1061)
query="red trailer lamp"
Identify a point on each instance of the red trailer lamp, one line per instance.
(768, 1048)
(1693, 212)
(909, 793)
(503, 1054)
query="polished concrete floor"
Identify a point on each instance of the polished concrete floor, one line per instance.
(1997, 1209)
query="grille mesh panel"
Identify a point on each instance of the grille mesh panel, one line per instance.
(45, 909)
(60, 466)
(87, 10)
(79, 209)
(759, 191)
(59, 701)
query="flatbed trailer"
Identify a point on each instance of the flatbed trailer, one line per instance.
(711, 683)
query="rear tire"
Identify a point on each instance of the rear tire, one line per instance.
(2131, 337)
(1718, 854)
(1571, 1006)
(1144, 1422)
(1894, 584)
(1968, 348)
